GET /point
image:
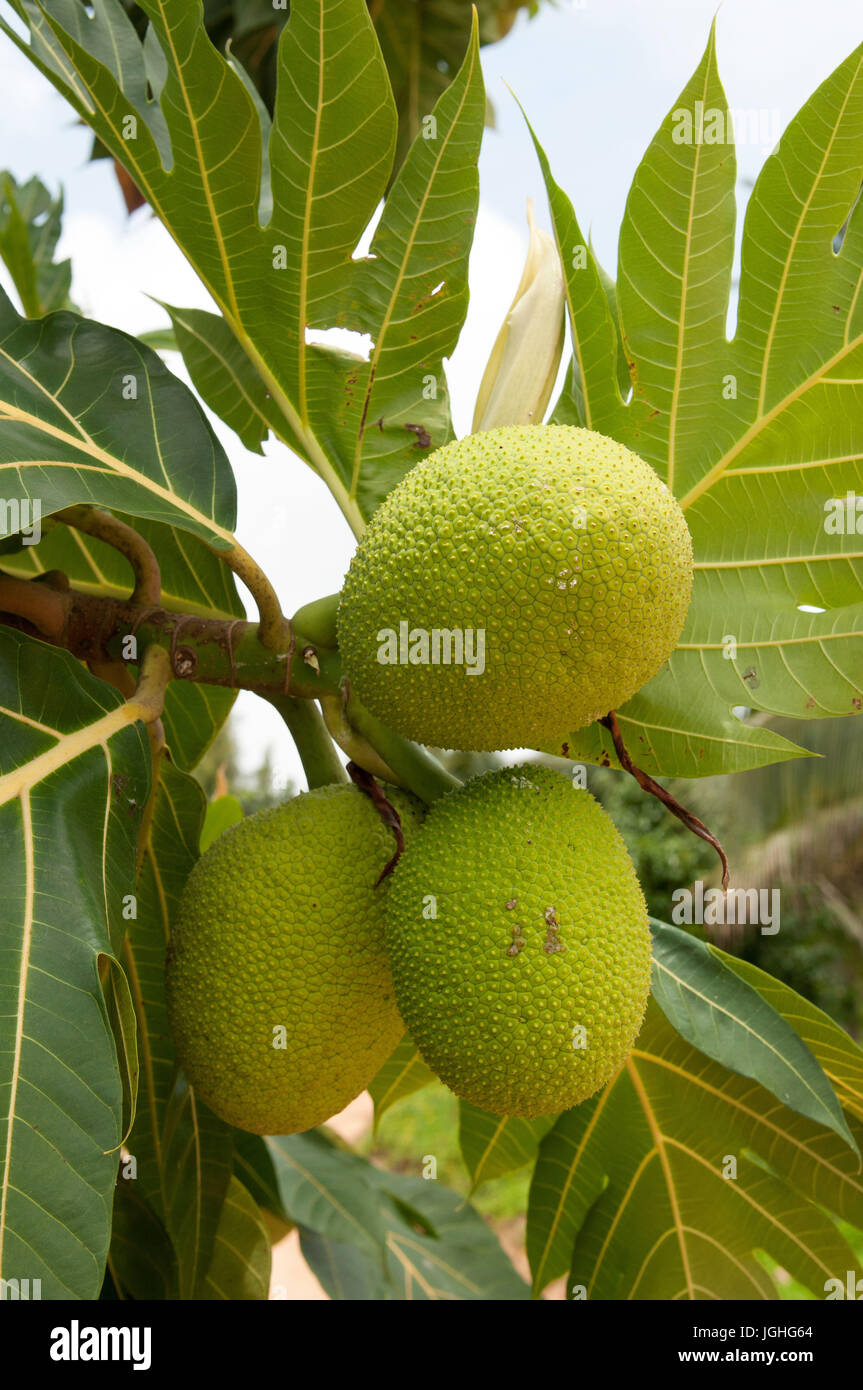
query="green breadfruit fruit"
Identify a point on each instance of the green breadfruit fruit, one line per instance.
(526, 991)
(516, 586)
(281, 926)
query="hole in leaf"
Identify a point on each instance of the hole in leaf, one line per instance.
(345, 339)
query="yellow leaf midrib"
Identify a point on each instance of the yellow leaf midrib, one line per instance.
(397, 1240)
(684, 295)
(405, 1070)
(22, 779)
(761, 422)
(741, 1023)
(115, 466)
(570, 1178)
(208, 194)
(26, 946)
(307, 220)
(659, 1142)
(757, 1116)
(318, 457)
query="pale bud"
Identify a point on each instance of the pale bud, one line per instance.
(524, 361)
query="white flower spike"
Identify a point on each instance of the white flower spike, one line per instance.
(524, 361)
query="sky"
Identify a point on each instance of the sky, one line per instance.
(596, 78)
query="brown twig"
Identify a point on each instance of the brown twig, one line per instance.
(208, 651)
(649, 785)
(387, 812)
(43, 603)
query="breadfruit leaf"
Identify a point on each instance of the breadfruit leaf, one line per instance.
(401, 1074)
(392, 1236)
(758, 435)
(30, 222)
(492, 1145)
(74, 783)
(715, 1172)
(197, 148)
(730, 1022)
(240, 1265)
(93, 416)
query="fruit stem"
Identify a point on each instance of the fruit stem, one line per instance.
(647, 784)
(317, 751)
(148, 701)
(414, 766)
(359, 750)
(318, 620)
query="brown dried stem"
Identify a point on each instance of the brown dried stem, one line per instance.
(649, 785)
(387, 812)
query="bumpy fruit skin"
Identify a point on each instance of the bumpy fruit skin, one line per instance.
(562, 545)
(527, 992)
(281, 924)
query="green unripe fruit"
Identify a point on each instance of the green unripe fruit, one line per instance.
(526, 991)
(281, 927)
(555, 568)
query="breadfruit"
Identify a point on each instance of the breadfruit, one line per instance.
(514, 587)
(279, 990)
(519, 943)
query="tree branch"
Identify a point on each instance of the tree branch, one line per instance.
(149, 697)
(210, 651)
(95, 521)
(109, 633)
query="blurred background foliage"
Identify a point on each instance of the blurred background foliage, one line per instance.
(798, 826)
(794, 826)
